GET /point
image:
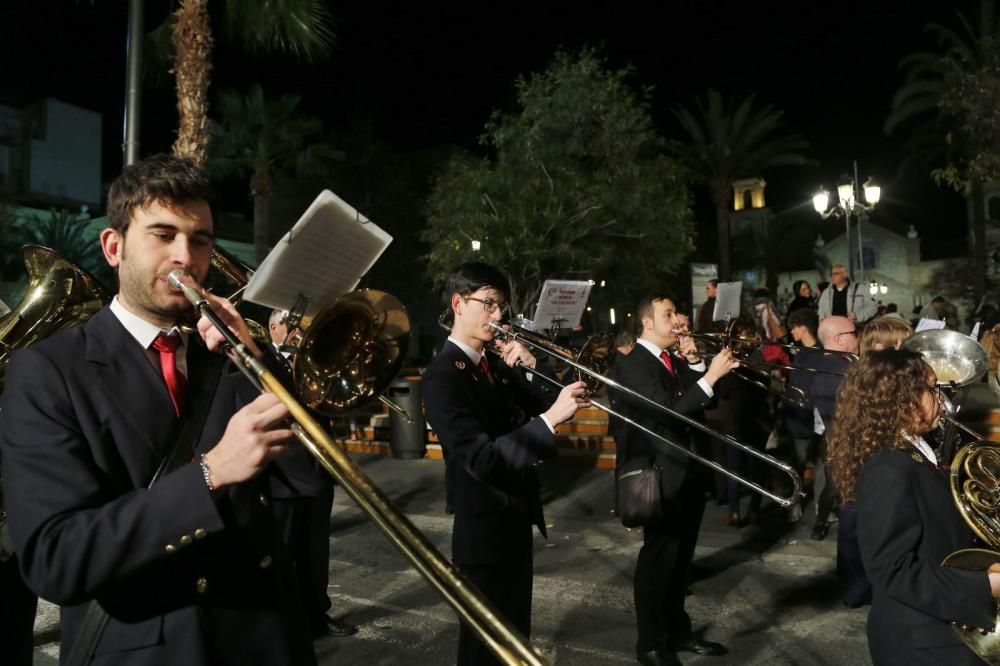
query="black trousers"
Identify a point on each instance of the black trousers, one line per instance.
(17, 616)
(664, 566)
(508, 586)
(854, 584)
(304, 523)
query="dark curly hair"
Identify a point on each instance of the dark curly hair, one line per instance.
(878, 404)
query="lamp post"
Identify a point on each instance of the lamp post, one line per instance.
(848, 204)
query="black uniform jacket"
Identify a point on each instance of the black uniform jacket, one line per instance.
(646, 374)
(492, 446)
(908, 524)
(85, 421)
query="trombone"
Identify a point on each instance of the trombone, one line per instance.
(535, 341)
(506, 642)
(744, 341)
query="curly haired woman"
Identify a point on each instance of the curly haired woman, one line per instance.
(907, 521)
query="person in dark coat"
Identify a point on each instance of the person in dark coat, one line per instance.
(907, 520)
(682, 383)
(802, 297)
(495, 421)
(188, 570)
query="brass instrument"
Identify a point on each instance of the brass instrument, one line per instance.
(59, 296)
(743, 340)
(538, 342)
(506, 642)
(331, 388)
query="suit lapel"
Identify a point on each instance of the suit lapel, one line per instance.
(485, 395)
(131, 383)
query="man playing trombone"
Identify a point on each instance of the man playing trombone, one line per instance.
(482, 409)
(683, 384)
(156, 542)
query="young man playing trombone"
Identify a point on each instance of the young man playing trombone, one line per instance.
(186, 569)
(682, 383)
(495, 423)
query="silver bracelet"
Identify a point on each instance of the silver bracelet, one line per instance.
(206, 473)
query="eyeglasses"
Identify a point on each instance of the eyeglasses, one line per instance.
(489, 304)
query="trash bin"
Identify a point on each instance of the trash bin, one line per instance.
(407, 440)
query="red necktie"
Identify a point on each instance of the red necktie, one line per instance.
(167, 345)
(485, 367)
(667, 361)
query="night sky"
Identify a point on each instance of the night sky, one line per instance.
(429, 74)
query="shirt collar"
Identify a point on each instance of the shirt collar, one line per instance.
(143, 331)
(473, 355)
(653, 349)
(920, 444)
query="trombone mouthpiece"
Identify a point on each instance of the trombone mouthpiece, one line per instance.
(178, 279)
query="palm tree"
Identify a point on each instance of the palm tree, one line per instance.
(948, 95)
(301, 28)
(66, 233)
(260, 137)
(726, 141)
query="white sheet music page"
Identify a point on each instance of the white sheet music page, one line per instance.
(321, 258)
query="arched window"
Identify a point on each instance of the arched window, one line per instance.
(747, 199)
(868, 257)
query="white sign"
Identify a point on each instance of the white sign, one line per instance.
(561, 303)
(727, 301)
(700, 275)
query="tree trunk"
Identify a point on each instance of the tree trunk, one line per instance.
(722, 227)
(977, 219)
(192, 40)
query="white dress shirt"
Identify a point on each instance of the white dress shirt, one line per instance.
(697, 367)
(145, 333)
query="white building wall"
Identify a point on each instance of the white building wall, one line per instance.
(65, 161)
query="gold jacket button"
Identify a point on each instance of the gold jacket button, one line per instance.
(265, 562)
(263, 499)
(170, 548)
(201, 585)
(186, 540)
(200, 533)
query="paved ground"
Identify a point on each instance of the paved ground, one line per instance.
(768, 592)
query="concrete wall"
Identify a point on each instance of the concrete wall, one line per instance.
(64, 160)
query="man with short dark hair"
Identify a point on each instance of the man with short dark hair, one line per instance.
(495, 422)
(682, 383)
(186, 569)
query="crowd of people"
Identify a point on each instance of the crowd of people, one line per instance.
(166, 507)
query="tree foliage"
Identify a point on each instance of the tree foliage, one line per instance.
(300, 28)
(728, 140)
(575, 186)
(952, 97)
(257, 137)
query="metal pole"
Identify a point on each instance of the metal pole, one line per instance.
(133, 82)
(861, 253)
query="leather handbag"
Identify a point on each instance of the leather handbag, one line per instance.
(639, 494)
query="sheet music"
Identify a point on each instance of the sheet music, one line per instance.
(727, 301)
(929, 324)
(322, 257)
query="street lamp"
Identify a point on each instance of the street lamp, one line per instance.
(849, 204)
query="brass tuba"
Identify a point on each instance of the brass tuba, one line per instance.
(349, 352)
(59, 296)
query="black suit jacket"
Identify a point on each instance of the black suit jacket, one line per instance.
(85, 420)
(907, 524)
(491, 447)
(646, 374)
